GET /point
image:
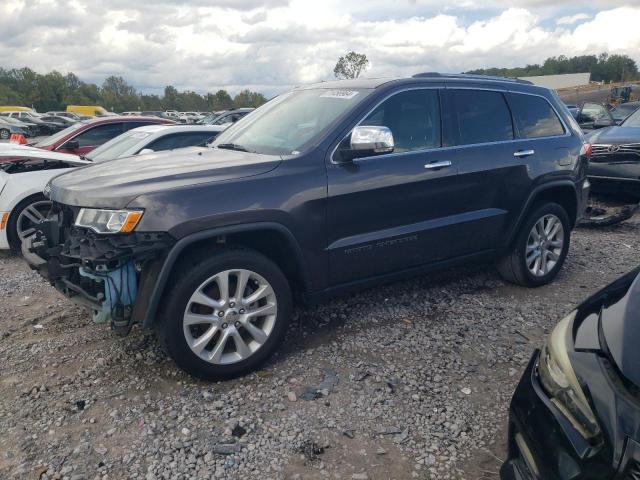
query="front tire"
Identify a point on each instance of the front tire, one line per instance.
(540, 248)
(226, 313)
(25, 217)
(5, 134)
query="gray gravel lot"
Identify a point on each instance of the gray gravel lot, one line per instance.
(409, 380)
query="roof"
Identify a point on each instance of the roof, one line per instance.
(128, 118)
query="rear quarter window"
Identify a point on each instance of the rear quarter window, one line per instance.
(534, 117)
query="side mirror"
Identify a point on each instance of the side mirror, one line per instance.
(71, 145)
(144, 151)
(603, 122)
(367, 141)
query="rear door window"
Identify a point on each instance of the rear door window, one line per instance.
(534, 116)
(480, 116)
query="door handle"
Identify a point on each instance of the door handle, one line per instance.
(438, 165)
(523, 153)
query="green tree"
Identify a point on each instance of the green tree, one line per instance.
(351, 65)
(247, 98)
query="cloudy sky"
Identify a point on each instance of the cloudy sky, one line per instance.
(271, 45)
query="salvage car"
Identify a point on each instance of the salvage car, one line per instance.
(615, 160)
(24, 172)
(226, 118)
(324, 189)
(7, 129)
(31, 128)
(82, 137)
(576, 412)
(45, 127)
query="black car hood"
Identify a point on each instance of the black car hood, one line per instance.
(614, 135)
(114, 184)
(620, 323)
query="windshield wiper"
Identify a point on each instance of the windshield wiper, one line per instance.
(232, 146)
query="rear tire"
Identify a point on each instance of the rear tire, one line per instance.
(213, 335)
(540, 247)
(4, 133)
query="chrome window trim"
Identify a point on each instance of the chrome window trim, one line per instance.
(567, 131)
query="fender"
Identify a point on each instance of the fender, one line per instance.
(532, 198)
(156, 288)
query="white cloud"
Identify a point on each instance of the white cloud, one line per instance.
(271, 45)
(572, 19)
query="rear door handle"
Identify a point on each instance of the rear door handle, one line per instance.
(523, 153)
(438, 165)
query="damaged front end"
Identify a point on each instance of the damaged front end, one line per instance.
(111, 274)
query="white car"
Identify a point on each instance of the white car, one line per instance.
(24, 171)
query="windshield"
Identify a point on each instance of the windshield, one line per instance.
(623, 111)
(115, 147)
(286, 124)
(47, 142)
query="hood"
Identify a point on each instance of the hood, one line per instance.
(614, 135)
(13, 152)
(115, 183)
(620, 324)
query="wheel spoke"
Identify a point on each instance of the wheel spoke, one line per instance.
(256, 332)
(551, 222)
(553, 255)
(32, 213)
(267, 309)
(223, 284)
(196, 319)
(216, 353)
(25, 233)
(261, 292)
(532, 257)
(204, 339)
(241, 346)
(556, 244)
(543, 262)
(554, 231)
(204, 299)
(243, 278)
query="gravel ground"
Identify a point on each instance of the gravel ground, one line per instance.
(409, 380)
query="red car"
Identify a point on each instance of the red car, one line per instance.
(82, 137)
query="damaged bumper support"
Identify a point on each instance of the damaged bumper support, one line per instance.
(112, 275)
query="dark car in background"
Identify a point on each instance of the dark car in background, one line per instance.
(32, 129)
(615, 159)
(7, 129)
(69, 115)
(228, 117)
(82, 137)
(576, 412)
(45, 127)
(324, 189)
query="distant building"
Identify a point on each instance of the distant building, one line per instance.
(566, 80)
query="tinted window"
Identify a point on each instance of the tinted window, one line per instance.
(481, 116)
(132, 125)
(181, 140)
(413, 117)
(534, 116)
(99, 134)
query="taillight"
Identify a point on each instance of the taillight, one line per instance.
(586, 150)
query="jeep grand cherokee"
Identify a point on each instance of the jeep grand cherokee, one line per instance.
(326, 188)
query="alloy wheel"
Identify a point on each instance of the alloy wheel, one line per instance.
(31, 216)
(230, 316)
(544, 245)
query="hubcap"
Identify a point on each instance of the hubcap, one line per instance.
(544, 245)
(230, 316)
(31, 216)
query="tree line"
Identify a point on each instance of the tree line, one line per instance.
(54, 91)
(603, 67)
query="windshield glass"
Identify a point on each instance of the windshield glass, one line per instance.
(633, 120)
(47, 142)
(623, 111)
(117, 146)
(286, 124)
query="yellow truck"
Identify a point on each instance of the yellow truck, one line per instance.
(92, 110)
(6, 108)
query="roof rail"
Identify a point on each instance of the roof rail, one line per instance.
(470, 76)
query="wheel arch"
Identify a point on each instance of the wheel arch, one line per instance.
(273, 240)
(562, 192)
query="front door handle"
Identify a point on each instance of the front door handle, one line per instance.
(438, 165)
(523, 153)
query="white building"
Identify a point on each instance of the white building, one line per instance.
(556, 82)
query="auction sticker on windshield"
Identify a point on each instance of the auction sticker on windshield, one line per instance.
(344, 94)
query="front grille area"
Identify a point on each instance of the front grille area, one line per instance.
(629, 152)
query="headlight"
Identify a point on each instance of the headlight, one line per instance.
(560, 381)
(109, 221)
